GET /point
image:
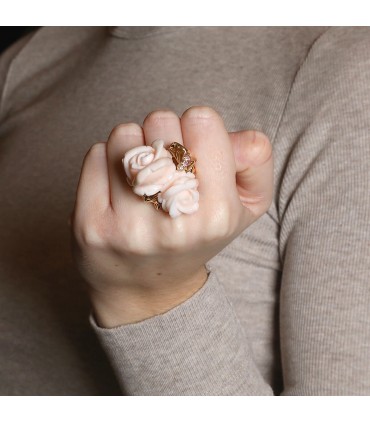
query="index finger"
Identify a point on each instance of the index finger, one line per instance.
(92, 194)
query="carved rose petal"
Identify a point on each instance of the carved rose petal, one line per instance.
(181, 195)
(139, 157)
(154, 177)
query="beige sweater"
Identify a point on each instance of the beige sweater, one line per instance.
(286, 308)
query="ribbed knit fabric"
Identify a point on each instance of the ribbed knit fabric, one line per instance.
(286, 307)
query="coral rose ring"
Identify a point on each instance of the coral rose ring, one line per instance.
(164, 177)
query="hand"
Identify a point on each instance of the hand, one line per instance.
(139, 262)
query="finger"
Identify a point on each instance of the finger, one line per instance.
(123, 137)
(92, 195)
(162, 124)
(255, 169)
(208, 141)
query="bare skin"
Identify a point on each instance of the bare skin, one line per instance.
(137, 261)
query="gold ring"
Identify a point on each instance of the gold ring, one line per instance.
(181, 157)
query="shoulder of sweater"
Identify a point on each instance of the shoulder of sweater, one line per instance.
(345, 39)
(335, 70)
(326, 115)
(41, 57)
(339, 55)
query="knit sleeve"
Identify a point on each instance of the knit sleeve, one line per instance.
(196, 348)
(323, 152)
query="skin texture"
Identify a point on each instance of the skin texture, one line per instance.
(137, 261)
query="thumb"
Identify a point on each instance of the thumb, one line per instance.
(254, 169)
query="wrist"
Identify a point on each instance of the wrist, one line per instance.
(123, 306)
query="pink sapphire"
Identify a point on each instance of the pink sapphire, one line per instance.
(186, 160)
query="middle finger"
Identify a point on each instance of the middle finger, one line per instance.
(123, 138)
(162, 124)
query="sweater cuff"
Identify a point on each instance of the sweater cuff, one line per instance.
(196, 348)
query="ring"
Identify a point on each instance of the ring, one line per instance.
(163, 176)
(182, 160)
(181, 157)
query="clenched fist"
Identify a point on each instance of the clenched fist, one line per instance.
(137, 261)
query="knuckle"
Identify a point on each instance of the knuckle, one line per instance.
(97, 148)
(174, 239)
(125, 129)
(260, 207)
(219, 222)
(91, 236)
(200, 112)
(159, 118)
(260, 150)
(265, 205)
(94, 231)
(134, 239)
